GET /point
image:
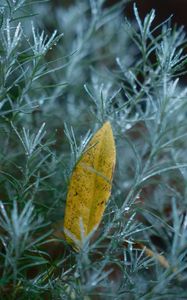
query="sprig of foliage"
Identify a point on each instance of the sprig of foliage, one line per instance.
(61, 77)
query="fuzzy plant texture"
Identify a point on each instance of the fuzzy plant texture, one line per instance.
(65, 69)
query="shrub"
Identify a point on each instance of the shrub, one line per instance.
(64, 71)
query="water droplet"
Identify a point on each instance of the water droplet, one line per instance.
(128, 126)
(93, 283)
(127, 208)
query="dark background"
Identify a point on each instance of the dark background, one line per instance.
(164, 9)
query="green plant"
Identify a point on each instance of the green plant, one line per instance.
(62, 77)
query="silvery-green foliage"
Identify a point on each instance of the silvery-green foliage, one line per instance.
(64, 70)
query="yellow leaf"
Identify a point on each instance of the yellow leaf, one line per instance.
(148, 252)
(162, 260)
(90, 187)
